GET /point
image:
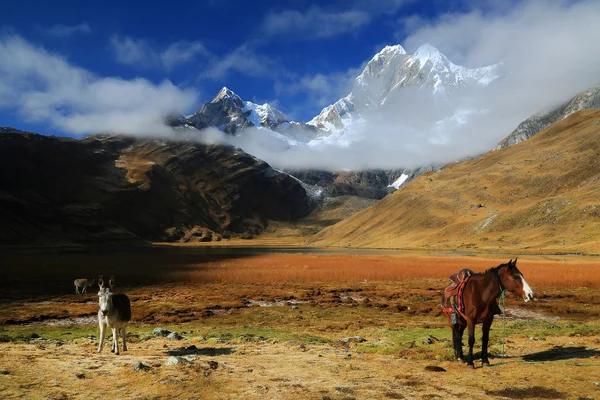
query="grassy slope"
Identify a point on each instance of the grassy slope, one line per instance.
(538, 196)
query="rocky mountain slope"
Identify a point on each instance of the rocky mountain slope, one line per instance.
(587, 99)
(102, 189)
(541, 195)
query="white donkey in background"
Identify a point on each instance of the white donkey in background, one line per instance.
(114, 313)
(83, 284)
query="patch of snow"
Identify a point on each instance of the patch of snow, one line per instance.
(398, 182)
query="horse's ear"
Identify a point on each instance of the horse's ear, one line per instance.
(515, 262)
(510, 261)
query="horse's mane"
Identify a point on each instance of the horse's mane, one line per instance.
(488, 271)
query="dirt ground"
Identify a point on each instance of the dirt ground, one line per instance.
(263, 333)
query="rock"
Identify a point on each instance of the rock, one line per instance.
(434, 368)
(177, 360)
(139, 367)
(174, 335)
(80, 376)
(430, 340)
(209, 365)
(354, 339)
(161, 332)
(4, 372)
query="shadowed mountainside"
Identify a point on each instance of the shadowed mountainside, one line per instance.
(106, 188)
(540, 195)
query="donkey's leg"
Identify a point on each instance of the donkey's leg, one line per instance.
(485, 337)
(471, 328)
(76, 289)
(102, 333)
(84, 290)
(115, 332)
(124, 335)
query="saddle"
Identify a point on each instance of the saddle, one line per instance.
(453, 299)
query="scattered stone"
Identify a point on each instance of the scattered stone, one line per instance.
(174, 335)
(354, 339)
(434, 368)
(161, 332)
(249, 370)
(213, 364)
(139, 367)
(430, 340)
(156, 365)
(177, 360)
(345, 390)
(80, 376)
(4, 372)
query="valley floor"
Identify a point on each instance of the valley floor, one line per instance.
(274, 326)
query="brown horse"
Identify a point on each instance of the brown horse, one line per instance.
(480, 297)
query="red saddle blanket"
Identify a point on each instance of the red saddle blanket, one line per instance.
(453, 294)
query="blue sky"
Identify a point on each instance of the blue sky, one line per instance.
(298, 55)
(74, 68)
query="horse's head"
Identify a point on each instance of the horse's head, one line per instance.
(513, 281)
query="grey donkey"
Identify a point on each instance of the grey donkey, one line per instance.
(83, 284)
(114, 313)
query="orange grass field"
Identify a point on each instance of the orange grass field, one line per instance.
(548, 272)
(273, 325)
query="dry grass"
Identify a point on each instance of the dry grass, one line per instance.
(292, 349)
(558, 272)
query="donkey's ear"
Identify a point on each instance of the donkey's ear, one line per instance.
(111, 281)
(100, 281)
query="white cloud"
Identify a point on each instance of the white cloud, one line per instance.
(66, 30)
(182, 52)
(314, 23)
(242, 60)
(140, 53)
(44, 87)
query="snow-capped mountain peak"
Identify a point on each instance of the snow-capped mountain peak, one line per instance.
(427, 53)
(391, 70)
(224, 93)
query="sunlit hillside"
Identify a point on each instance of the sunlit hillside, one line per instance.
(539, 196)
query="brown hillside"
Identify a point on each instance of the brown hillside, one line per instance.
(539, 196)
(103, 189)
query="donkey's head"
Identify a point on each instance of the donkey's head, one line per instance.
(104, 296)
(513, 281)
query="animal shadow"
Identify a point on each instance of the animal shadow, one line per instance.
(205, 351)
(562, 353)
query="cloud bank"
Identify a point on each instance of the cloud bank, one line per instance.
(44, 87)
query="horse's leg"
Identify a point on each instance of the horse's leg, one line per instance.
(461, 330)
(471, 328)
(485, 337)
